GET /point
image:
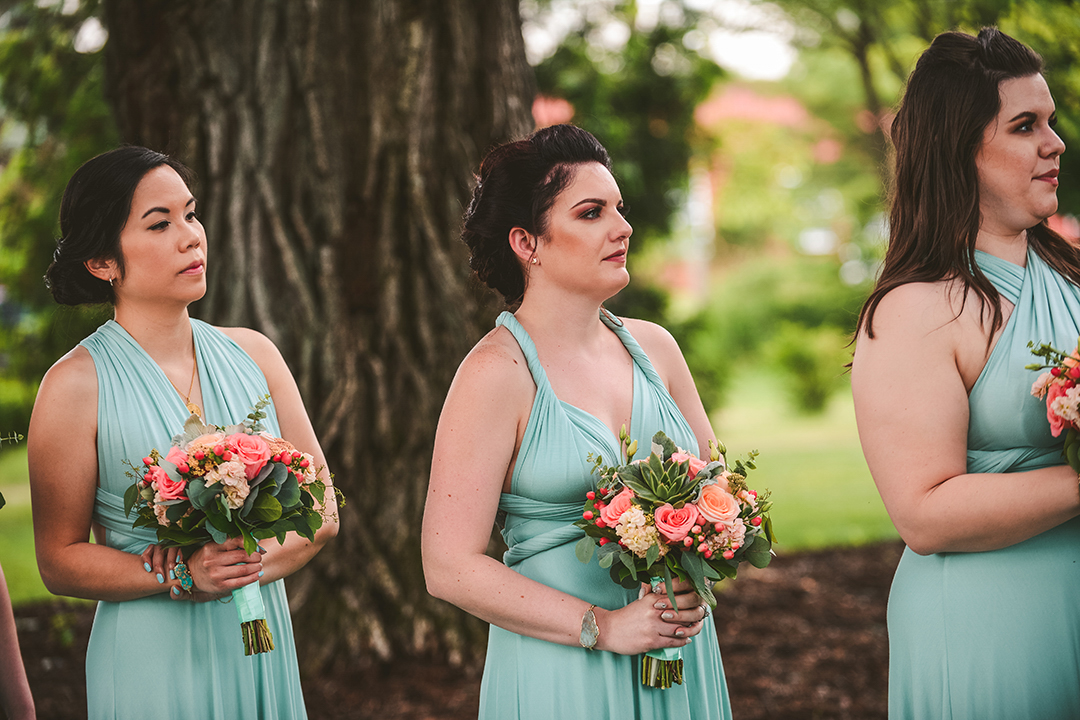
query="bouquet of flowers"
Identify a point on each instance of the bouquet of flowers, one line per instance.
(1058, 385)
(673, 515)
(216, 483)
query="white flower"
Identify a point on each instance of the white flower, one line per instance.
(1067, 406)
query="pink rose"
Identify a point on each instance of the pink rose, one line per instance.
(176, 456)
(619, 504)
(717, 505)
(1057, 423)
(166, 488)
(675, 524)
(251, 450)
(696, 465)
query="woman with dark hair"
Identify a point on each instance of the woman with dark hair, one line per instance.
(552, 383)
(130, 237)
(983, 614)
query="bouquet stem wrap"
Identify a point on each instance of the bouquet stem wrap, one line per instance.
(249, 606)
(663, 667)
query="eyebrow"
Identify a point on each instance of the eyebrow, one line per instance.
(598, 201)
(165, 210)
(1025, 116)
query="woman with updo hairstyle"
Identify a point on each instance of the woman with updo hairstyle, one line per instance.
(553, 382)
(130, 237)
(983, 616)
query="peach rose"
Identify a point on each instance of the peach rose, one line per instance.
(717, 505)
(619, 504)
(251, 450)
(166, 488)
(675, 524)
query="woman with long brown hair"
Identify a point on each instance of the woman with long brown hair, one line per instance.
(983, 613)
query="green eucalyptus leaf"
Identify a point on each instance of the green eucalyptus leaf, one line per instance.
(584, 549)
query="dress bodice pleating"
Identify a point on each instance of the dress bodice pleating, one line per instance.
(533, 679)
(198, 646)
(996, 635)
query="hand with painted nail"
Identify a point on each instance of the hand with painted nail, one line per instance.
(689, 605)
(218, 569)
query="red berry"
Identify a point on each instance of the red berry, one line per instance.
(591, 495)
(587, 515)
(219, 449)
(296, 454)
(603, 491)
(148, 460)
(1056, 372)
(199, 455)
(600, 522)
(226, 456)
(183, 468)
(756, 521)
(604, 541)
(707, 554)
(1074, 372)
(304, 463)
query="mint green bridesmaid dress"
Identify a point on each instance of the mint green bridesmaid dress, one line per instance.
(537, 680)
(155, 657)
(996, 635)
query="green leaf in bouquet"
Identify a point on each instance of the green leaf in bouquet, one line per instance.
(201, 496)
(288, 493)
(759, 554)
(652, 555)
(175, 510)
(305, 528)
(669, 447)
(584, 549)
(217, 526)
(130, 496)
(769, 530)
(623, 577)
(627, 559)
(193, 428)
(266, 508)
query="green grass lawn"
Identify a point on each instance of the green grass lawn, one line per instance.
(17, 529)
(822, 491)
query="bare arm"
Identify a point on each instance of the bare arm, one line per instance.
(62, 454)
(282, 560)
(911, 405)
(15, 698)
(482, 419)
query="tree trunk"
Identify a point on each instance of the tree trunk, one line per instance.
(335, 143)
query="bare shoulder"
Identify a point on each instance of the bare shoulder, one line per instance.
(496, 362)
(658, 344)
(73, 376)
(922, 309)
(253, 342)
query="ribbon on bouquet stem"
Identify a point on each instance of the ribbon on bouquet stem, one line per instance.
(252, 613)
(663, 667)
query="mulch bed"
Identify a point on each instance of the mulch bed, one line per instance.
(803, 638)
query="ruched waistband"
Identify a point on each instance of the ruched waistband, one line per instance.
(534, 526)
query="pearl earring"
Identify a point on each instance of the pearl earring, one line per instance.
(535, 261)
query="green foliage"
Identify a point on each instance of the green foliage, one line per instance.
(639, 100)
(54, 118)
(812, 362)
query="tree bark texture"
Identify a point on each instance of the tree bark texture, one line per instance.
(335, 142)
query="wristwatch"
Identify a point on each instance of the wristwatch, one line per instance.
(590, 632)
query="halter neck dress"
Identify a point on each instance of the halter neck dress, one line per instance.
(533, 679)
(996, 635)
(155, 657)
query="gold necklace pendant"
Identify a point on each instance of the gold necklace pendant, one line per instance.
(194, 409)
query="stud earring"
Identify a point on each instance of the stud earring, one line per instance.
(110, 282)
(535, 261)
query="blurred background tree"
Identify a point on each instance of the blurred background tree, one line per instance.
(335, 143)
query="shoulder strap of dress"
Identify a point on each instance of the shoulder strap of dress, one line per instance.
(528, 347)
(1006, 277)
(632, 347)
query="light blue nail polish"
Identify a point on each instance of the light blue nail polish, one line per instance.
(172, 574)
(176, 591)
(146, 566)
(160, 579)
(261, 572)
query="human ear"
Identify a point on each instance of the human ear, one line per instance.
(523, 244)
(102, 269)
